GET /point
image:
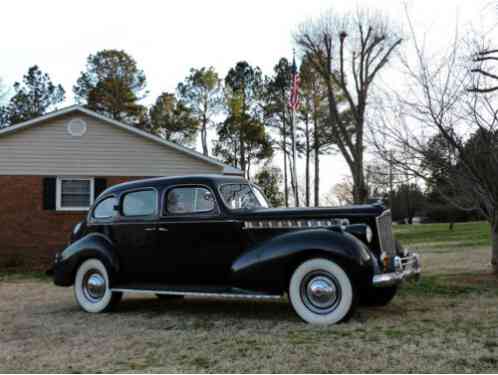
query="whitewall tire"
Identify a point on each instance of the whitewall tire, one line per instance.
(91, 287)
(321, 292)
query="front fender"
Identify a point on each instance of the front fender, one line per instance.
(270, 262)
(94, 245)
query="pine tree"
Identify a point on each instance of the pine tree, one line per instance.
(34, 97)
(201, 93)
(172, 120)
(112, 84)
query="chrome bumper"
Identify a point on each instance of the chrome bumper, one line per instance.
(407, 267)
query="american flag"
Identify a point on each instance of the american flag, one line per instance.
(294, 95)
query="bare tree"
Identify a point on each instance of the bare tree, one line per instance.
(348, 52)
(444, 100)
(343, 191)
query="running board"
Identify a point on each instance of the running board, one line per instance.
(208, 292)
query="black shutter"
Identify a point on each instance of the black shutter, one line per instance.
(49, 193)
(100, 186)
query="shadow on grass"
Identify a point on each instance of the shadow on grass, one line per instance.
(210, 308)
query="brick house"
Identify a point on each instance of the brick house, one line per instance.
(53, 167)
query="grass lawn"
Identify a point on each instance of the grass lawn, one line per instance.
(437, 236)
(448, 322)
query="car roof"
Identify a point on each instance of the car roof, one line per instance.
(161, 182)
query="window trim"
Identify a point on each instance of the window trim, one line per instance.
(58, 193)
(164, 207)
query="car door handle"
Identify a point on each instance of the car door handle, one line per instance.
(150, 229)
(162, 229)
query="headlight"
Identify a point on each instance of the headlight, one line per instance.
(369, 234)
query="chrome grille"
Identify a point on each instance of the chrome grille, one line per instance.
(385, 233)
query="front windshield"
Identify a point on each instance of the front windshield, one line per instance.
(242, 196)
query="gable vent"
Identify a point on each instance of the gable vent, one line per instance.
(76, 127)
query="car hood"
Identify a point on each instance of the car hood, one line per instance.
(353, 211)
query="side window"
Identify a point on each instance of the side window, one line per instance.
(105, 208)
(139, 203)
(188, 200)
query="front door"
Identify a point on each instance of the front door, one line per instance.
(135, 235)
(199, 242)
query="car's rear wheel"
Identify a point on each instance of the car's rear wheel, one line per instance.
(321, 292)
(91, 287)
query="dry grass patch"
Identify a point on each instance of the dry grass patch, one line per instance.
(447, 323)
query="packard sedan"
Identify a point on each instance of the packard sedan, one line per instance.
(217, 236)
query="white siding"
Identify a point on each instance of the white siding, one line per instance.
(104, 150)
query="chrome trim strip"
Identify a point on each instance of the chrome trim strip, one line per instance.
(201, 294)
(292, 223)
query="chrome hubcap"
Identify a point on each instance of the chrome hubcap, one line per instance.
(94, 286)
(320, 292)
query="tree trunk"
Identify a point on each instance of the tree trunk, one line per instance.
(308, 151)
(242, 150)
(316, 149)
(494, 246)
(317, 178)
(204, 136)
(360, 191)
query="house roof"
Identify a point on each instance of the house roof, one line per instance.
(227, 169)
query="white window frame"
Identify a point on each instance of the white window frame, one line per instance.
(58, 193)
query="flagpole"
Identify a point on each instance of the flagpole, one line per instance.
(293, 131)
(294, 170)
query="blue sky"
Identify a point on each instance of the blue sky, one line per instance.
(167, 38)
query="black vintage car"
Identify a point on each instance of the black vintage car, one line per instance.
(217, 236)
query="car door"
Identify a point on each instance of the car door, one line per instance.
(200, 243)
(135, 234)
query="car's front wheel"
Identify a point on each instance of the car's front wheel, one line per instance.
(321, 292)
(91, 287)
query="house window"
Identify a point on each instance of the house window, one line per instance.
(74, 193)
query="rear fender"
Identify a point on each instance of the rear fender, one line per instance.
(269, 263)
(94, 245)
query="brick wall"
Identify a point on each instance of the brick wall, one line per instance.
(30, 235)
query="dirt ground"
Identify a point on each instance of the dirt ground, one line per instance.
(446, 323)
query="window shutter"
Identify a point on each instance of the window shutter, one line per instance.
(100, 186)
(49, 193)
